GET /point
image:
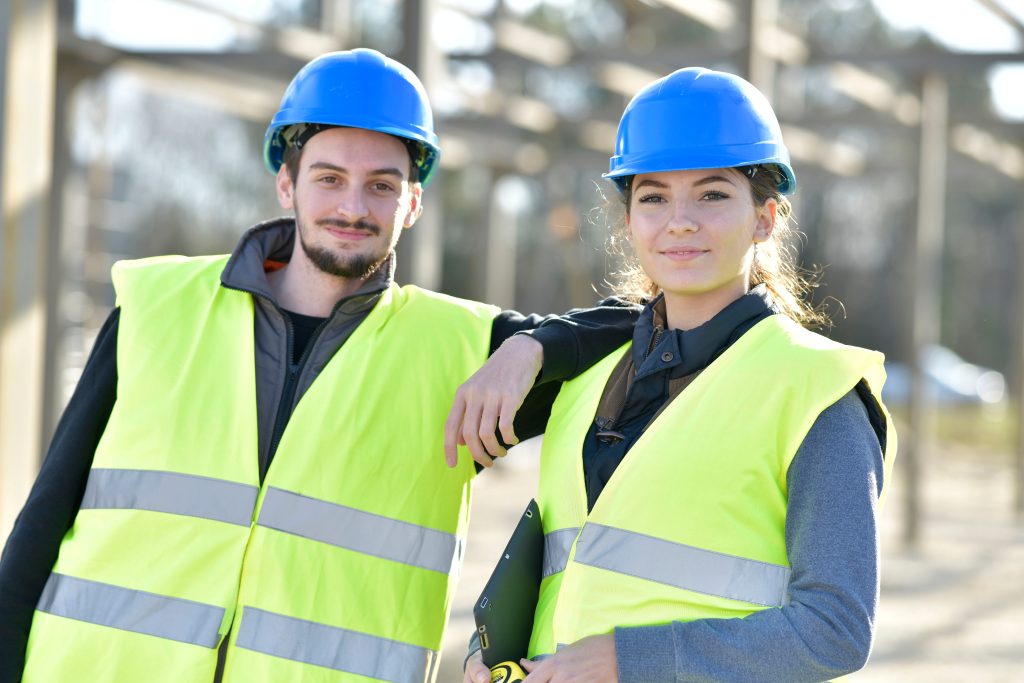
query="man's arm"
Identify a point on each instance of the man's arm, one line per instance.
(510, 398)
(51, 507)
(832, 541)
(574, 341)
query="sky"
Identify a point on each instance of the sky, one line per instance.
(960, 25)
(966, 26)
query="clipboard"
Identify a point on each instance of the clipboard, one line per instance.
(504, 611)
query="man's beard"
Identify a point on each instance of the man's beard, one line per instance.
(354, 267)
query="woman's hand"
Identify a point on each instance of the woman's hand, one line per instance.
(490, 399)
(591, 660)
(476, 670)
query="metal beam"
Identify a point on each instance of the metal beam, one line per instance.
(921, 61)
(997, 9)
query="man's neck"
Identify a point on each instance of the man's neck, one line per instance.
(303, 288)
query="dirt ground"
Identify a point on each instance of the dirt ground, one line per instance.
(952, 609)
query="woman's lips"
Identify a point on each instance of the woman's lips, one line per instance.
(684, 253)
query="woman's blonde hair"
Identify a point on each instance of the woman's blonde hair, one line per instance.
(774, 264)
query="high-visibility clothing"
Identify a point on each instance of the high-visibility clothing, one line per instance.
(339, 567)
(692, 523)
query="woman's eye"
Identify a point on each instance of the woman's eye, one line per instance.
(649, 199)
(714, 195)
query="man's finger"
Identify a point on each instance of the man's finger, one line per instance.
(488, 424)
(451, 430)
(471, 435)
(506, 419)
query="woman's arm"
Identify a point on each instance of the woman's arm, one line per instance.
(832, 540)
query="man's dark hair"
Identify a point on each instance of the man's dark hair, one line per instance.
(292, 157)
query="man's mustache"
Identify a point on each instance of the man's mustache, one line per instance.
(360, 224)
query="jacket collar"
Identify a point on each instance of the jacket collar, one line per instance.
(693, 350)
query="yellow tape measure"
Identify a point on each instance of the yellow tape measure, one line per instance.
(507, 672)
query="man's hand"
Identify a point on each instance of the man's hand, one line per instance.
(476, 670)
(591, 660)
(490, 399)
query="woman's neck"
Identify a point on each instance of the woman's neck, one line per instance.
(687, 311)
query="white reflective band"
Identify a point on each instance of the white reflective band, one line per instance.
(362, 532)
(185, 621)
(557, 545)
(171, 492)
(335, 648)
(683, 566)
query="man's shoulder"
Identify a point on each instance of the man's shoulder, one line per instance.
(166, 274)
(438, 301)
(175, 262)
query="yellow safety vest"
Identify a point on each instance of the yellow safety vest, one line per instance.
(340, 567)
(691, 524)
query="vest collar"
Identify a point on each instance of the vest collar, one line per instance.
(272, 242)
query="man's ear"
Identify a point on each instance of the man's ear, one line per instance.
(415, 205)
(766, 220)
(285, 189)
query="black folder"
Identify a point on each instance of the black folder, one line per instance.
(504, 610)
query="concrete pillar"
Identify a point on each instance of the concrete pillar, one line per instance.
(420, 252)
(28, 45)
(926, 265)
(761, 66)
(1018, 395)
(502, 239)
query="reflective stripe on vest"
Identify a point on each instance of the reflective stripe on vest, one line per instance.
(683, 566)
(131, 610)
(335, 648)
(171, 492)
(362, 532)
(557, 545)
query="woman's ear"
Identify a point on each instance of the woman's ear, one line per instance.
(766, 214)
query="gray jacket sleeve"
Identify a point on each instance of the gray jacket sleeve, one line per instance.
(832, 541)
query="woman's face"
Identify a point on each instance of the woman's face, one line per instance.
(694, 232)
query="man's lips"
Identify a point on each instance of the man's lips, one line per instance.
(352, 232)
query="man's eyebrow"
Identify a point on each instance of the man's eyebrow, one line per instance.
(324, 165)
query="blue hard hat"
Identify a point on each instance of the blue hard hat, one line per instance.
(358, 89)
(698, 118)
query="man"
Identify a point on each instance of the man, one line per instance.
(247, 484)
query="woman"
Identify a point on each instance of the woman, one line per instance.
(709, 495)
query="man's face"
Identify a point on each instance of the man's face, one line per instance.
(351, 198)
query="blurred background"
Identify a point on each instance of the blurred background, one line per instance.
(132, 128)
